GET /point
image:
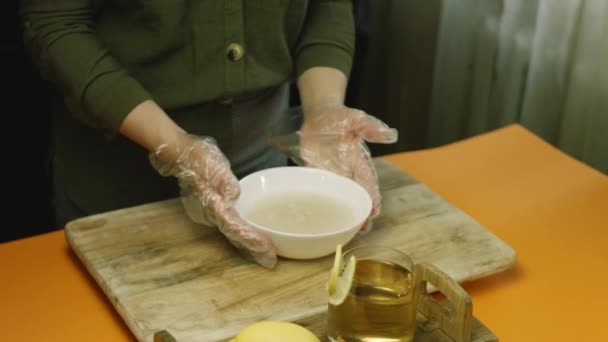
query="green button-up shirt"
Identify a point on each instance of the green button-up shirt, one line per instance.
(107, 56)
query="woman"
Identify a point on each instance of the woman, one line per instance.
(192, 90)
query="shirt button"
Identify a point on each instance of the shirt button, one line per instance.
(226, 100)
(235, 52)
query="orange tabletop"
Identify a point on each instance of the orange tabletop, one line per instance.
(550, 208)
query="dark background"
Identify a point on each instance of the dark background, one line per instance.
(26, 133)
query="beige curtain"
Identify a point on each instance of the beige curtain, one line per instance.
(542, 63)
(441, 71)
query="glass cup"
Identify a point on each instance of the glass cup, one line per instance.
(381, 304)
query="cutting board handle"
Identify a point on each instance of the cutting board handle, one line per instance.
(164, 336)
(455, 319)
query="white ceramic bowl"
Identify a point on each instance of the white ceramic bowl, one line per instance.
(297, 179)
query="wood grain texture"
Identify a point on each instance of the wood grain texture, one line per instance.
(426, 330)
(163, 272)
(455, 321)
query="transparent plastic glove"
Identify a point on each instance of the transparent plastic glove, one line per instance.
(209, 190)
(333, 138)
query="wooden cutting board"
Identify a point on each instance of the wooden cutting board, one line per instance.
(162, 272)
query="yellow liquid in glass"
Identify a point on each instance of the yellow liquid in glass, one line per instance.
(379, 308)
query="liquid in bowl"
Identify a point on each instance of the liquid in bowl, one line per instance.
(301, 213)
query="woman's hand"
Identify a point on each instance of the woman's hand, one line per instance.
(208, 187)
(209, 190)
(333, 138)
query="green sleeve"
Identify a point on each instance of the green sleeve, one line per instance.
(61, 37)
(328, 37)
